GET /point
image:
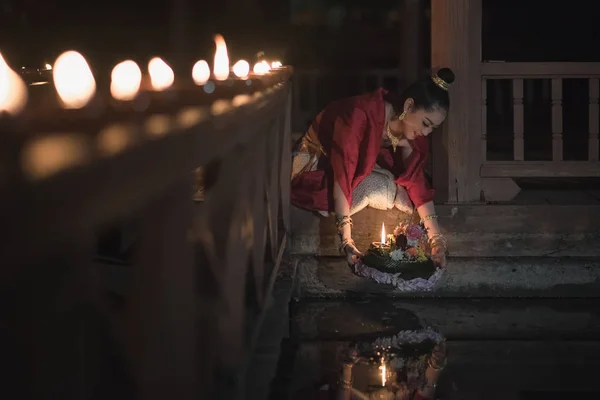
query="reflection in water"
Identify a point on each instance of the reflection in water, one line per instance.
(406, 366)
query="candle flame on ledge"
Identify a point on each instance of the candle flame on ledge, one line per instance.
(201, 73)
(221, 64)
(383, 233)
(241, 69)
(161, 75)
(73, 80)
(383, 372)
(261, 68)
(126, 78)
(13, 91)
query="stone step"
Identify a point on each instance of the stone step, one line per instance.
(457, 319)
(330, 277)
(507, 370)
(472, 230)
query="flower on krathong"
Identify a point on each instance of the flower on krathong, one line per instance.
(414, 232)
(400, 229)
(413, 252)
(401, 241)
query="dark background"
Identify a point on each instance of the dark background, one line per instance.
(305, 33)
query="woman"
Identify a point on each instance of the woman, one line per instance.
(371, 150)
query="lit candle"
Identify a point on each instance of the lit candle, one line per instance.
(241, 69)
(383, 371)
(221, 63)
(13, 92)
(73, 80)
(125, 81)
(161, 75)
(201, 73)
(383, 244)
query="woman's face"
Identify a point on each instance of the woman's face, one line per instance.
(420, 122)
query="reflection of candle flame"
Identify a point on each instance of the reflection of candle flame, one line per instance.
(383, 372)
(383, 234)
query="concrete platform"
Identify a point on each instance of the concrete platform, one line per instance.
(330, 277)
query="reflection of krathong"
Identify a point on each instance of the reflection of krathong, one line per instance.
(400, 363)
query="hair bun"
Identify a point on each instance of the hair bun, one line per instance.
(446, 75)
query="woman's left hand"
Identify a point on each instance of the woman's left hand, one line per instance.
(438, 255)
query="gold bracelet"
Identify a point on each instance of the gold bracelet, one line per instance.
(343, 224)
(429, 217)
(346, 384)
(343, 219)
(438, 239)
(345, 242)
(436, 367)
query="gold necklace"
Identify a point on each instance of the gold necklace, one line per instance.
(394, 139)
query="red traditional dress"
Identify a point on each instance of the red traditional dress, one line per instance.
(350, 132)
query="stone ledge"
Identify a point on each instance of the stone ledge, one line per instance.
(471, 230)
(329, 277)
(458, 319)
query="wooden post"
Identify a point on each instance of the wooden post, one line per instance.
(456, 43)
(412, 39)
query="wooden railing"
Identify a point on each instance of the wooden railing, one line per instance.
(550, 79)
(204, 270)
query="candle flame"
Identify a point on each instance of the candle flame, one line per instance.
(13, 91)
(383, 234)
(261, 68)
(241, 69)
(73, 80)
(126, 78)
(383, 372)
(276, 64)
(161, 75)
(221, 65)
(201, 72)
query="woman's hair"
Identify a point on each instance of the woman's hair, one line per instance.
(429, 92)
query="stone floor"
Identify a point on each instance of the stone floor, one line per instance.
(516, 329)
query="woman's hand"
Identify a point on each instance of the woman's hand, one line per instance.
(438, 255)
(439, 356)
(353, 255)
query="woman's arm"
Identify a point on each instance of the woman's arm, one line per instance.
(436, 239)
(344, 225)
(429, 218)
(348, 131)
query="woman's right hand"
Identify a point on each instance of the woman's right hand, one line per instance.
(353, 255)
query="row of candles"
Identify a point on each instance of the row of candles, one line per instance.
(139, 105)
(75, 84)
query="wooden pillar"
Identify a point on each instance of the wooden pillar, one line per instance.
(412, 39)
(456, 43)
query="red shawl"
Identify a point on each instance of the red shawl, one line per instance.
(350, 131)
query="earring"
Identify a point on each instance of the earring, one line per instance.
(401, 116)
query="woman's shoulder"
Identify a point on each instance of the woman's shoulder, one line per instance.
(372, 104)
